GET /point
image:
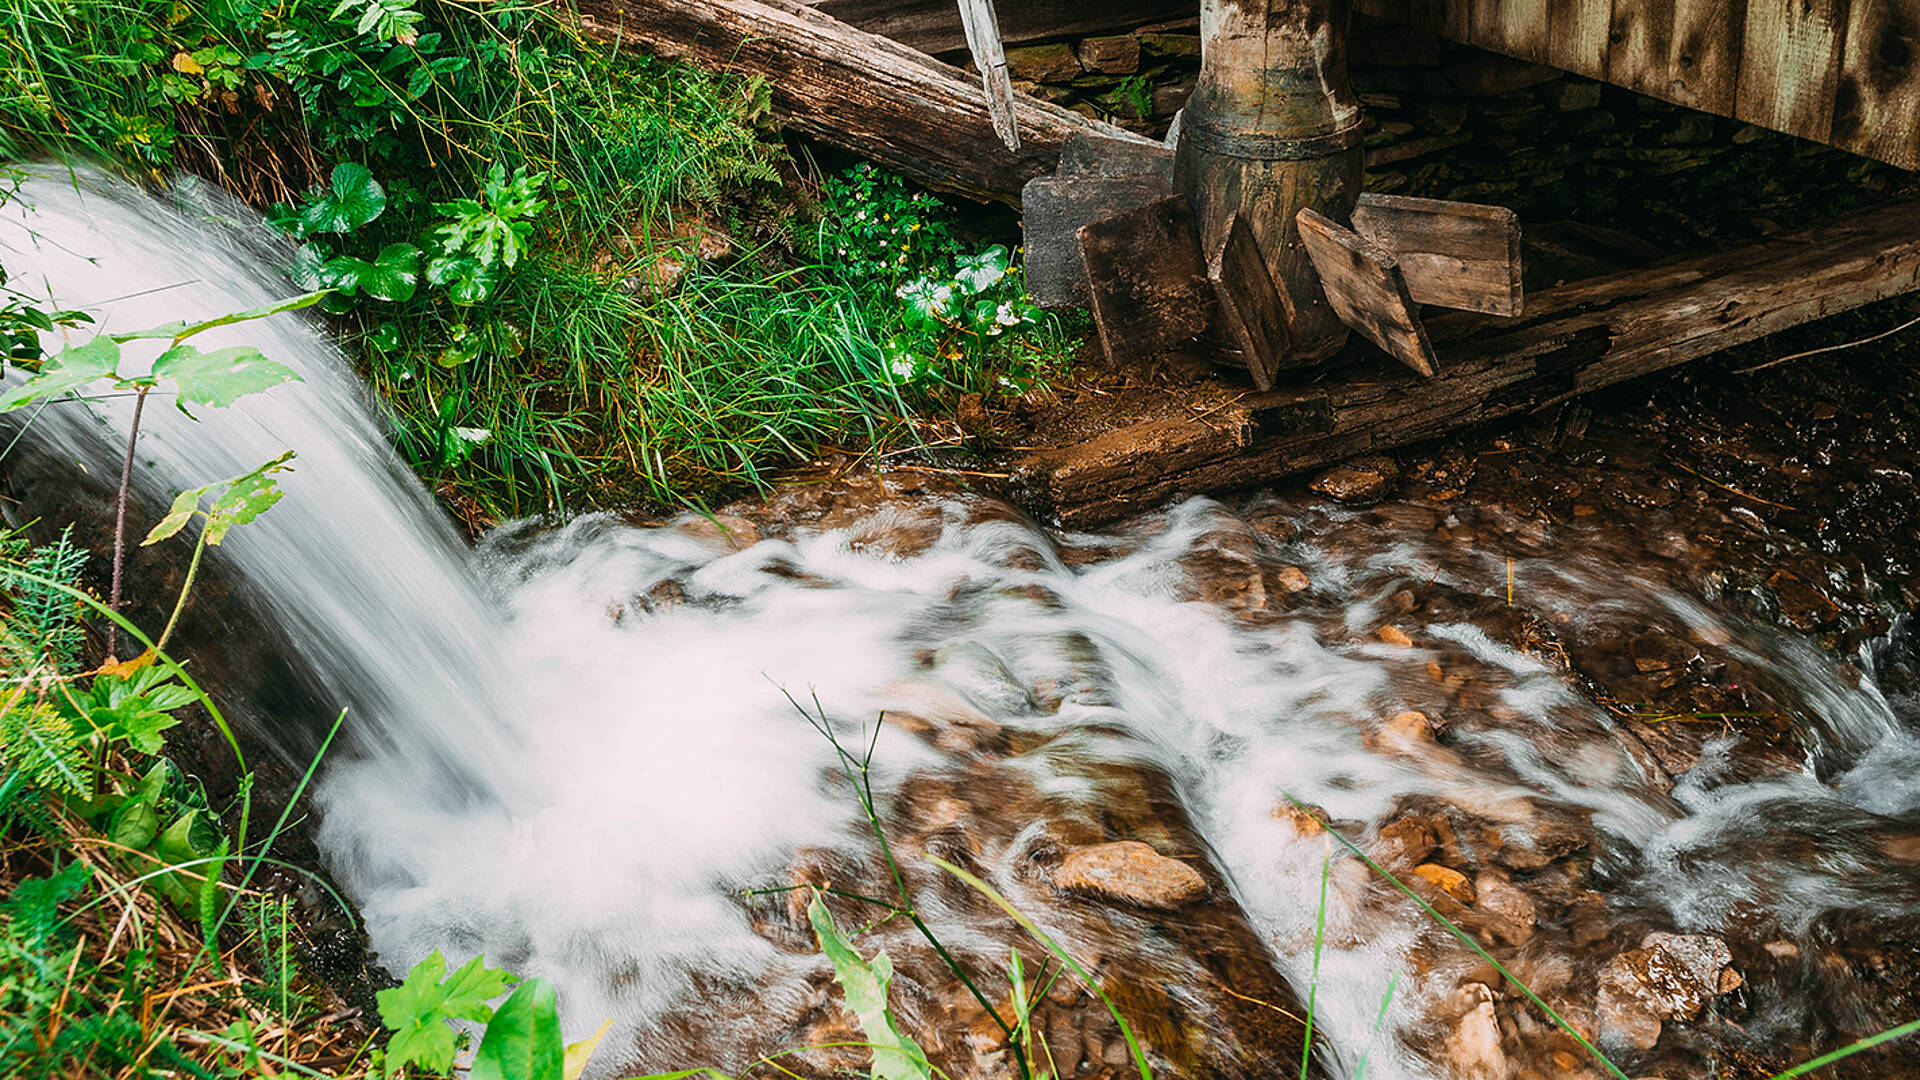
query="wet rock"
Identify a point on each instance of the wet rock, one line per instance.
(1301, 820)
(1670, 977)
(1393, 635)
(731, 531)
(1405, 842)
(1505, 909)
(1447, 880)
(1111, 55)
(1800, 603)
(1043, 63)
(1292, 579)
(1360, 482)
(1409, 732)
(1474, 1051)
(1132, 873)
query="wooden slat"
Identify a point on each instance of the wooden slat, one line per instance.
(1149, 290)
(1790, 65)
(982, 28)
(1458, 255)
(933, 26)
(1640, 45)
(1877, 104)
(1254, 314)
(1364, 285)
(1054, 209)
(1087, 154)
(1517, 28)
(1703, 60)
(1574, 340)
(1577, 38)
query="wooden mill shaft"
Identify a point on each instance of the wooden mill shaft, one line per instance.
(1274, 128)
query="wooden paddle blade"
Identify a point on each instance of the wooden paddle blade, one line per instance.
(1254, 314)
(1149, 289)
(1453, 254)
(1364, 285)
(989, 55)
(1052, 211)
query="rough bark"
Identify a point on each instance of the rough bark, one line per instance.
(917, 116)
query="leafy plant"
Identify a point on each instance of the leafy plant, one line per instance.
(486, 235)
(865, 984)
(522, 1036)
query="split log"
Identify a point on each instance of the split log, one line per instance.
(1573, 339)
(1364, 284)
(899, 107)
(930, 26)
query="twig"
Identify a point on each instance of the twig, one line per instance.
(1828, 348)
(120, 521)
(1730, 487)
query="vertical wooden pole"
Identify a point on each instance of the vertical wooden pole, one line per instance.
(1273, 128)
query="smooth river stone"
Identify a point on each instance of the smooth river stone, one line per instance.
(1132, 873)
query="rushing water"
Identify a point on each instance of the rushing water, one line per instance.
(572, 748)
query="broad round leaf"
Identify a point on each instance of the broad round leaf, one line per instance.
(221, 377)
(391, 276)
(74, 367)
(359, 196)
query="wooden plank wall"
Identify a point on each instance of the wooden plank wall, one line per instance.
(1843, 72)
(933, 26)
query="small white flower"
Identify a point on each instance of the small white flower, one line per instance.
(473, 435)
(1004, 316)
(902, 367)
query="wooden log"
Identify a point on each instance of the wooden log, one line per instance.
(1149, 291)
(1367, 290)
(1273, 126)
(1574, 339)
(1052, 212)
(1254, 315)
(903, 109)
(1453, 254)
(930, 25)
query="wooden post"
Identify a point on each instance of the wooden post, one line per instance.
(1274, 128)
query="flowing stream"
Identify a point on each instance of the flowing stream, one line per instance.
(572, 747)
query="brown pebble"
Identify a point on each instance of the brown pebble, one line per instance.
(1292, 579)
(1449, 881)
(1393, 635)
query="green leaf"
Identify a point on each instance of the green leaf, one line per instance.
(418, 1010)
(392, 274)
(354, 200)
(190, 836)
(978, 273)
(309, 269)
(236, 501)
(523, 1039)
(135, 825)
(578, 1054)
(221, 377)
(74, 367)
(33, 908)
(180, 331)
(865, 983)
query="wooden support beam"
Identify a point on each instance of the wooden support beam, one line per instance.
(1367, 290)
(1457, 255)
(903, 109)
(1573, 340)
(1052, 212)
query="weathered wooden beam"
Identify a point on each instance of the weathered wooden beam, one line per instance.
(881, 99)
(930, 25)
(1573, 340)
(1053, 210)
(1149, 290)
(1464, 256)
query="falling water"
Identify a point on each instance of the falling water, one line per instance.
(573, 747)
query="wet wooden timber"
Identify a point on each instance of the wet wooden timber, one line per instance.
(1573, 339)
(1841, 72)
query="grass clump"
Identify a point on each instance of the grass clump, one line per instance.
(578, 277)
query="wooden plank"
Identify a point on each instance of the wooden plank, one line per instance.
(1453, 254)
(876, 97)
(1088, 154)
(1574, 340)
(1640, 45)
(931, 26)
(1703, 66)
(1790, 65)
(1364, 285)
(1577, 40)
(1451, 19)
(990, 60)
(1518, 28)
(1254, 314)
(1053, 210)
(1877, 104)
(1149, 290)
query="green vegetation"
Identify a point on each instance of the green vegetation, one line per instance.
(579, 278)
